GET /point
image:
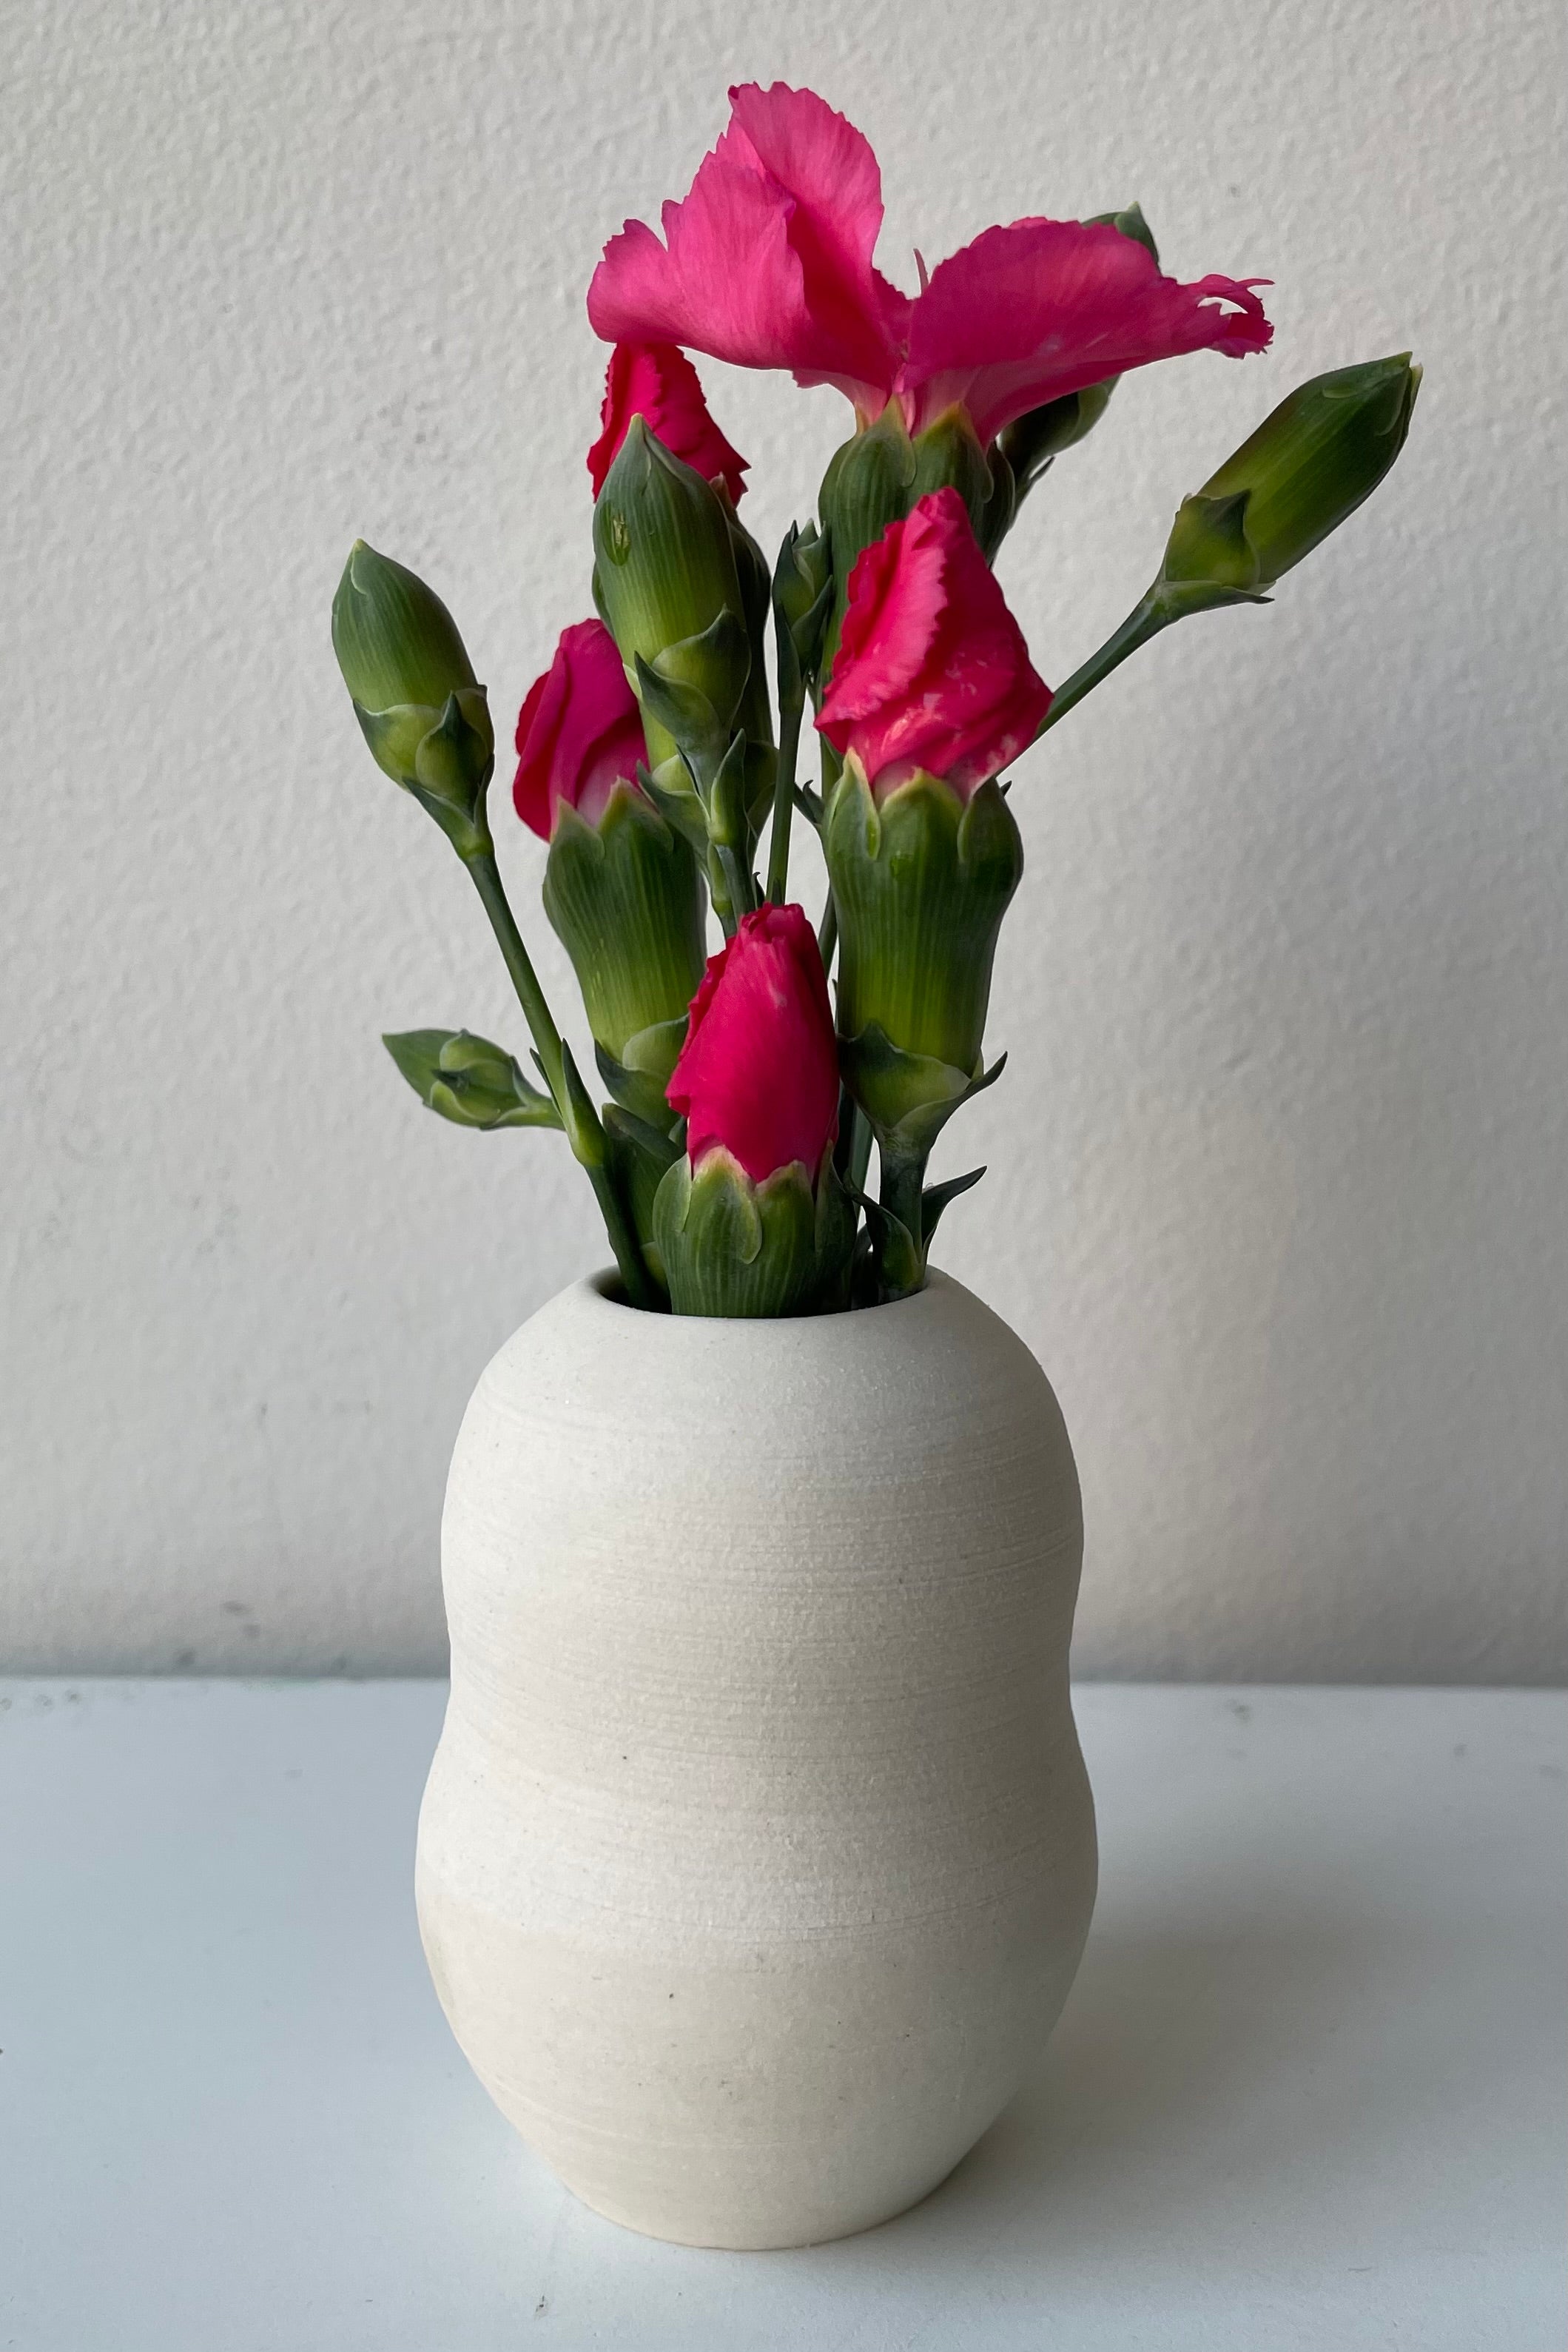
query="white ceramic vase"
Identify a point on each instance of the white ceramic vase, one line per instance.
(757, 1854)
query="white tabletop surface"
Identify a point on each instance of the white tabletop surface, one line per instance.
(1307, 2093)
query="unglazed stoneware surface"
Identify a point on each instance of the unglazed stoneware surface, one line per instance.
(757, 1854)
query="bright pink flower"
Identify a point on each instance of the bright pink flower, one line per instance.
(768, 262)
(759, 1073)
(580, 732)
(659, 384)
(932, 671)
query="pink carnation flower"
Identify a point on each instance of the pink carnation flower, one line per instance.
(932, 672)
(580, 732)
(758, 1073)
(767, 262)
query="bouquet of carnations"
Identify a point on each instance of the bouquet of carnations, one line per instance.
(748, 1088)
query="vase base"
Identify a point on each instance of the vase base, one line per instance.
(759, 2236)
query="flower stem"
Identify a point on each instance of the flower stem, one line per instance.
(828, 933)
(584, 1130)
(1145, 620)
(790, 709)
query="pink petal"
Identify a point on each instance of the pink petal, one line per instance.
(896, 596)
(1031, 312)
(932, 673)
(767, 262)
(659, 384)
(580, 732)
(759, 1073)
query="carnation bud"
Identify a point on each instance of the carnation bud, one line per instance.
(425, 719)
(948, 455)
(870, 483)
(625, 899)
(666, 583)
(1309, 463)
(727, 1245)
(468, 1080)
(921, 881)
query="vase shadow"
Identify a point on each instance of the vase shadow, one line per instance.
(1156, 2108)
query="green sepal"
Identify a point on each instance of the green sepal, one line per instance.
(908, 1098)
(921, 882)
(1208, 545)
(624, 896)
(641, 1156)
(889, 1263)
(935, 1197)
(868, 485)
(711, 668)
(664, 572)
(948, 455)
(734, 1248)
(677, 709)
(467, 1079)
(442, 758)
(637, 1083)
(674, 794)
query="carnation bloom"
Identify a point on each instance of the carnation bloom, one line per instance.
(580, 732)
(768, 262)
(659, 384)
(932, 672)
(758, 1075)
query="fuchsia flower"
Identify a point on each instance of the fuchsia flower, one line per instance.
(580, 732)
(767, 263)
(932, 671)
(658, 384)
(758, 1073)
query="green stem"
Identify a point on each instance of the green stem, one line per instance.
(739, 881)
(828, 933)
(525, 979)
(790, 716)
(584, 1130)
(860, 1148)
(1145, 620)
(902, 1182)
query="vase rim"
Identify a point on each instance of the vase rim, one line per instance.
(604, 1288)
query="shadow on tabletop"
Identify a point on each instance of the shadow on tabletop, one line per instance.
(1153, 2114)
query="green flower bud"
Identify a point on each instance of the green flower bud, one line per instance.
(426, 722)
(870, 482)
(625, 899)
(467, 1079)
(948, 455)
(921, 883)
(1131, 224)
(755, 715)
(1031, 441)
(665, 576)
(802, 598)
(1309, 463)
(728, 1246)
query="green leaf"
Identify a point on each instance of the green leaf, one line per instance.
(937, 1196)
(467, 1080)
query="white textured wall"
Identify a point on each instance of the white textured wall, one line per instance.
(1280, 1171)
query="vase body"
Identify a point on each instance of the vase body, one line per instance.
(757, 1854)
